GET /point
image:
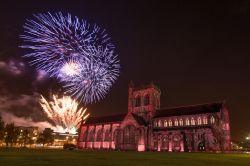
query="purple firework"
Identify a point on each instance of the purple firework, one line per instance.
(94, 77)
(56, 39)
(81, 56)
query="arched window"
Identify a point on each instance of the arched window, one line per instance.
(155, 123)
(146, 99)
(99, 135)
(165, 123)
(192, 121)
(176, 122)
(170, 123)
(129, 135)
(84, 138)
(107, 135)
(187, 122)
(181, 122)
(212, 120)
(91, 135)
(159, 123)
(204, 120)
(138, 101)
(199, 121)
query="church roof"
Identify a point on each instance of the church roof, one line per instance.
(105, 119)
(189, 110)
(139, 120)
(168, 112)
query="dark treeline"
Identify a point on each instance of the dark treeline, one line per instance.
(19, 136)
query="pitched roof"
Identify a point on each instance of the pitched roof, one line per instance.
(105, 119)
(139, 120)
(189, 110)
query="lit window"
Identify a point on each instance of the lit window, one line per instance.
(199, 121)
(187, 122)
(170, 123)
(99, 135)
(159, 123)
(155, 123)
(192, 121)
(212, 120)
(107, 135)
(129, 134)
(204, 120)
(165, 123)
(91, 135)
(181, 122)
(176, 122)
(84, 138)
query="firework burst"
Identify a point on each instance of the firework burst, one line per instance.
(81, 56)
(55, 39)
(95, 77)
(64, 112)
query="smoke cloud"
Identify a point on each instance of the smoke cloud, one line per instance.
(27, 122)
(24, 110)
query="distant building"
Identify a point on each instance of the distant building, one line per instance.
(202, 127)
(62, 138)
(27, 135)
(30, 129)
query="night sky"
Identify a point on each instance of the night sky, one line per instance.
(195, 52)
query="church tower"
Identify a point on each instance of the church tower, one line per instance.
(143, 100)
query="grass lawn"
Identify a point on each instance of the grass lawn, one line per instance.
(46, 157)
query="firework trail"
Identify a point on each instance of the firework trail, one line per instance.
(64, 112)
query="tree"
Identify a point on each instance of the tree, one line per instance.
(26, 137)
(16, 135)
(46, 137)
(1, 129)
(10, 134)
(30, 141)
(40, 139)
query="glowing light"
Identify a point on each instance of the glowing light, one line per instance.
(70, 69)
(65, 113)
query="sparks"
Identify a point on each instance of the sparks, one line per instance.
(64, 113)
(55, 39)
(79, 55)
(70, 69)
(95, 78)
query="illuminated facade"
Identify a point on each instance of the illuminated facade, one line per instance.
(63, 138)
(203, 127)
(25, 136)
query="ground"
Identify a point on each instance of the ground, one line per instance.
(42, 157)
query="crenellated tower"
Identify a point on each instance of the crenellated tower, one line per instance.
(143, 100)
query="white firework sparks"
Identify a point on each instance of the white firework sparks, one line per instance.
(69, 69)
(64, 112)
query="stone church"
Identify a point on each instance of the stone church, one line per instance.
(147, 127)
